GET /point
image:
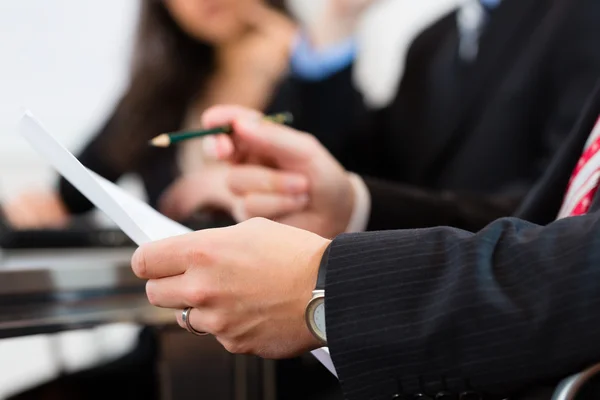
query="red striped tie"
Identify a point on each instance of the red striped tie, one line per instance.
(583, 184)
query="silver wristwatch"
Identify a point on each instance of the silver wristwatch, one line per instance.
(315, 310)
(315, 316)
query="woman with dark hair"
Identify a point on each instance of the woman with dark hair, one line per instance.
(189, 54)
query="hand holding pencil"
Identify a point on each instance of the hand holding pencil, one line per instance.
(239, 185)
(280, 149)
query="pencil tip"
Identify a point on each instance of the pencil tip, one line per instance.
(161, 141)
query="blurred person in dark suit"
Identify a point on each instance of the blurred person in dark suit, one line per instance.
(489, 93)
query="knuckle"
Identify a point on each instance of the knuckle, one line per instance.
(199, 255)
(194, 295)
(218, 325)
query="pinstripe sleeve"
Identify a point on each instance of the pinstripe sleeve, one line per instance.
(420, 311)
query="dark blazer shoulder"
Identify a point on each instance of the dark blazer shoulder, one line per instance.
(427, 41)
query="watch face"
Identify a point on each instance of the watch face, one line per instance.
(319, 316)
(315, 317)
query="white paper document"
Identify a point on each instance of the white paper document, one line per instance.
(137, 219)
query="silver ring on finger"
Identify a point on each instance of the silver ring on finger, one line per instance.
(185, 316)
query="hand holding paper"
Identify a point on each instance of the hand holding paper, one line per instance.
(247, 284)
(184, 270)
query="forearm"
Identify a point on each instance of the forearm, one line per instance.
(512, 305)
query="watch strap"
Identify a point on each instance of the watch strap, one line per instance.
(323, 269)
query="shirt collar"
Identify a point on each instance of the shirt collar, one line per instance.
(490, 4)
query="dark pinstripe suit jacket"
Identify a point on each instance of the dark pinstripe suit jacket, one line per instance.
(506, 312)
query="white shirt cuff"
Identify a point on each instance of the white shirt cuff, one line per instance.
(362, 206)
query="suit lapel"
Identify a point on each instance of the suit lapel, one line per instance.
(543, 203)
(500, 44)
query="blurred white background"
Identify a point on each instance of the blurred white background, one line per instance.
(67, 61)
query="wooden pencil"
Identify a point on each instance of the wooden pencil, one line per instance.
(167, 139)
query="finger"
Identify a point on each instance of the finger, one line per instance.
(273, 206)
(225, 115)
(167, 257)
(223, 147)
(209, 147)
(254, 178)
(239, 154)
(169, 292)
(218, 147)
(285, 145)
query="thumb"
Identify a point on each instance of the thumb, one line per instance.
(285, 146)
